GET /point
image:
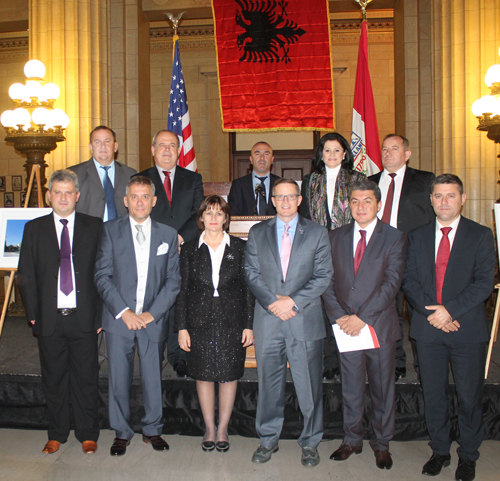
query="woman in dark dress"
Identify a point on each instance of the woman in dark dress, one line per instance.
(325, 191)
(214, 316)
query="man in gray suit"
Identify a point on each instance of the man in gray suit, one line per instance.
(288, 266)
(102, 180)
(368, 262)
(137, 275)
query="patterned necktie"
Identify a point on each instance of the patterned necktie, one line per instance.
(141, 238)
(110, 194)
(65, 266)
(168, 186)
(386, 217)
(443, 255)
(261, 196)
(360, 250)
(286, 249)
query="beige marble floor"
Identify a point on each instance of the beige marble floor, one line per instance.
(21, 459)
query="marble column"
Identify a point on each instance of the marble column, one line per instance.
(466, 38)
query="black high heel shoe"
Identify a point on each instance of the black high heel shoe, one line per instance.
(208, 445)
(222, 446)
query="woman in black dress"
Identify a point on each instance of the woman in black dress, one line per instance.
(214, 316)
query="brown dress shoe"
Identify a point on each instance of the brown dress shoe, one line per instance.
(383, 459)
(51, 447)
(344, 451)
(89, 447)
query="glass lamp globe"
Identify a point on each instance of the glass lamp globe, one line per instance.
(51, 91)
(487, 104)
(33, 89)
(40, 116)
(59, 118)
(7, 118)
(22, 117)
(492, 75)
(16, 91)
(34, 69)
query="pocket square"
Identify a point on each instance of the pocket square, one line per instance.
(162, 249)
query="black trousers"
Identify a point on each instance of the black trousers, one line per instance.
(468, 363)
(70, 375)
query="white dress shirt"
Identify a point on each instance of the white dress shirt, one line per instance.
(65, 301)
(357, 236)
(384, 183)
(216, 257)
(451, 234)
(331, 180)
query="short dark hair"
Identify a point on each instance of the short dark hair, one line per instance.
(64, 175)
(165, 130)
(284, 180)
(209, 202)
(140, 180)
(447, 179)
(318, 163)
(406, 142)
(102, 127)
(366, 184)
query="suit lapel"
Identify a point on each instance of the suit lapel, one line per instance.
(248, 192)
(126, 234)
(179, 182)
(94, 176)
(347, 246)
(271, 237)
(298, 239)
(160, 190)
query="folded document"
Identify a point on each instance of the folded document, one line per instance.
(367, 339)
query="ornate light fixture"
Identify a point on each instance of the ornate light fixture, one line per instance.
(487, 108)
(34, 126)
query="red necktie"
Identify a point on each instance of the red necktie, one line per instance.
(386, 217)
(168, 187)
(442, 258)
(360, 250)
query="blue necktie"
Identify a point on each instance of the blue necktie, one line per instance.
(110, 194)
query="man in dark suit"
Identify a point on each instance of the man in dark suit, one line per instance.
(251, 194)
(102, 180)
(449, 274)
(137, 296)
(368, 264)
(179, 195)
(287, 268)
(56, 280)
(406, 206)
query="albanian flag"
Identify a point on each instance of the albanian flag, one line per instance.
(274, 64)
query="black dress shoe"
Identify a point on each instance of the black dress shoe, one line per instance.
(383, 459)
(222, 446)
(208, 445)
(400, 372)
(180, 369)
(435, 464)
(344, 451)
(330, 373)
(158, 443)
(119, 447)
(466, 470)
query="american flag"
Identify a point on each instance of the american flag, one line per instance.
(178, 113)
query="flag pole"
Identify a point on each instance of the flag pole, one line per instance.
(175, 25)
(363, 4)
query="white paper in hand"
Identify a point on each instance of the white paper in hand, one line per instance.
(367, 339)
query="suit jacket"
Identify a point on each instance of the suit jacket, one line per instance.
(371, 294)
(468, 281)
(309, 273)
(38, 272)
(187, 196)
(92, 196)
(415, 207)
(241, 197)
(193, 306)
(116, 276)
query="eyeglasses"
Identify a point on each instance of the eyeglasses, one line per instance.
(290, 197)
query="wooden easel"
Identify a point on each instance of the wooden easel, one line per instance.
(494, 332)
(35, 172)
